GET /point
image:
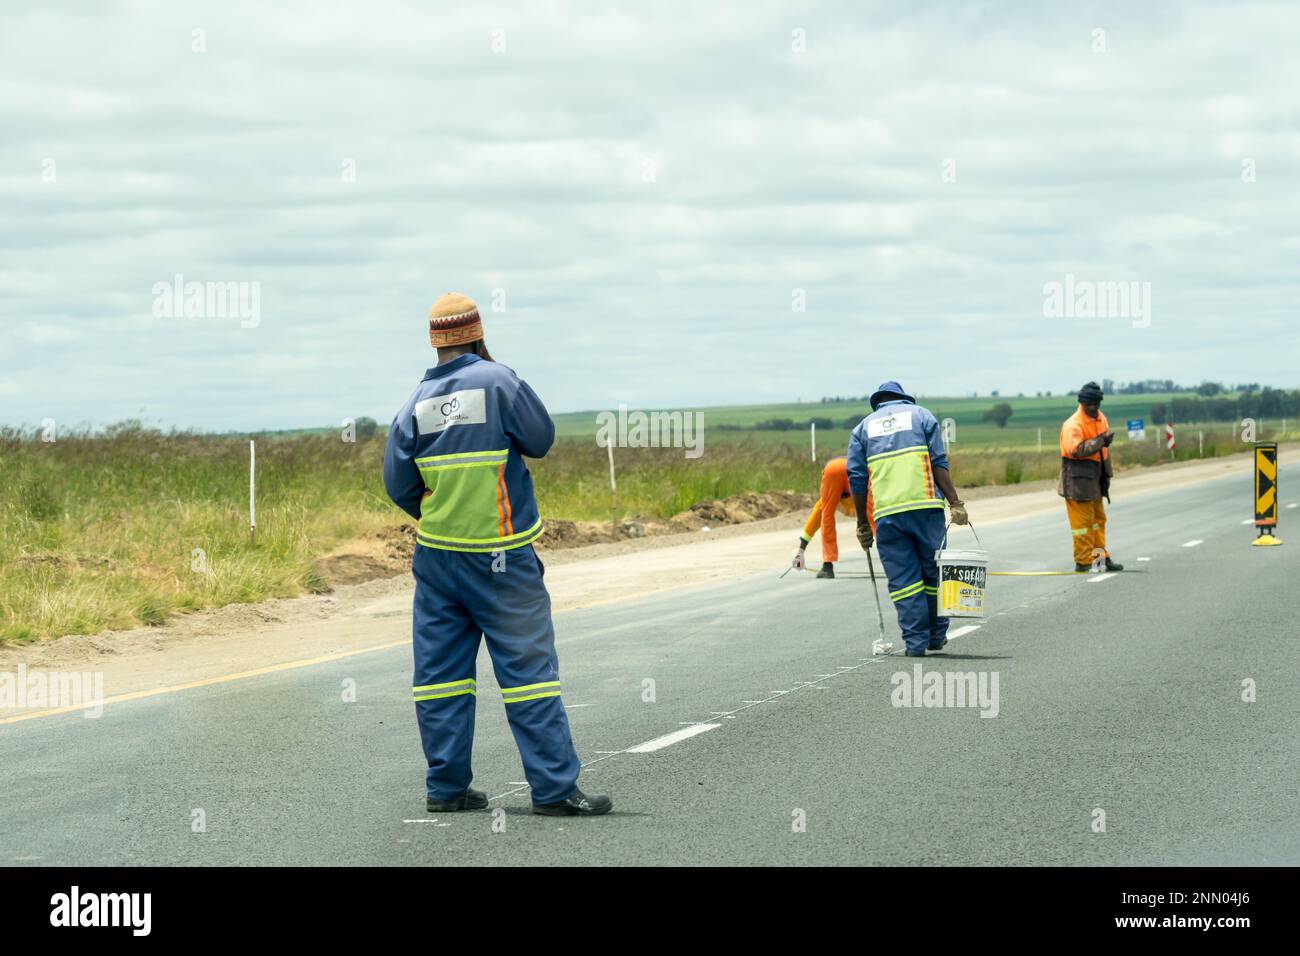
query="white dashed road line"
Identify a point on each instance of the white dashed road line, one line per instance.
(963, 631)
(1194, 542)
(1098, 578)
(667, 740)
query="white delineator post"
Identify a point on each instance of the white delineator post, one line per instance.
(1200, 440)
(613, 487)
(252, 492)
(814, 441)
(1040, 441)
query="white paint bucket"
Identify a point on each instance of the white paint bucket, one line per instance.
(963, 576)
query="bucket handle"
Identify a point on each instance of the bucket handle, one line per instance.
(969, 524)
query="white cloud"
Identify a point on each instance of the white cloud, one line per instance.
(526, 170)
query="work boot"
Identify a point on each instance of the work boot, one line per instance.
(1082, 568)
(827, 571)
(938, 647)
(1113, 566)
(920, 652)
(578, 805)
(471, 799)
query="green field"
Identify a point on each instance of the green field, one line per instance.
(131, 526)
(734, 423)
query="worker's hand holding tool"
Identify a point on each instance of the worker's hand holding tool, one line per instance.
(959, 513)
(797, 563)
(1108, 438)
(865, 537)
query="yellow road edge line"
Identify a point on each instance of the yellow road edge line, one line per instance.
(206, 682)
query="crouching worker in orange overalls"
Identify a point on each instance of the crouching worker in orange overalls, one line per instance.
(834, 497)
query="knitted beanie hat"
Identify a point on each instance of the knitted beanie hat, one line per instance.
(1091, 394)
(454, 320)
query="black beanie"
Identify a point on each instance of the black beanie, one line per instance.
(1090, 393)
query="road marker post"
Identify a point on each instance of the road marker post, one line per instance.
(613, 487)
(252, 492)
(1266, 494)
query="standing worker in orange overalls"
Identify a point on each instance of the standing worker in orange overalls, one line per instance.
(1085, 478)
(834, 496)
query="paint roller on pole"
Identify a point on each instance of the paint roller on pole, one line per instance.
(879, 645)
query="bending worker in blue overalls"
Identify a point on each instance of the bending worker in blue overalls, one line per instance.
(897, 455)
(455, 462)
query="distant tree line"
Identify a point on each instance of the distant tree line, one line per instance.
(1264, 403)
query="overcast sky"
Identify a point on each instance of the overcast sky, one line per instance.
(648, 189)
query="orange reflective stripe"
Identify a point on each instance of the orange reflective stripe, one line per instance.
(503, 503)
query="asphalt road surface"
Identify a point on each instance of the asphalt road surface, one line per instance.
(1119, 695)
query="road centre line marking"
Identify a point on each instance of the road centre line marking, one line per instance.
(1252, 520)
(963, 631)
(1194, 542)
(1098, 578)
(667, 740)
(775, 695)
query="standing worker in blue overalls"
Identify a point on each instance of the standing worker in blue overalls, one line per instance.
(898, 456)
(455, 461)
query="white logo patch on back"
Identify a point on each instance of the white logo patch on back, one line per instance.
(466, 407)
(890, 424)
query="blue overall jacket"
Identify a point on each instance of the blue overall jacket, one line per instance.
(455, 457)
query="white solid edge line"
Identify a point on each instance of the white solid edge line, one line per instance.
(1194, 542)
(962, 631)
(1098, 578)
(667, 740)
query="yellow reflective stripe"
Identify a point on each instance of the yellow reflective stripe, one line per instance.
(907, 591)
(914, 450)
(520, 700)
(931, 590)
(451, 693)
(453, 466)
(462, 454)
(480, 543)
(486, 546)
(516, 690)
(1078, 531)
(452, 683)
(910, 506)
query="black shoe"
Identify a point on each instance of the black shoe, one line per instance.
(827, 571)
(1112, 566)
(471, 799)
(578, 805)
(1081, 568)
(938, 647)
(912, 653)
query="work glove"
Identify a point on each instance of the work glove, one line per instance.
(958, 513)
(1108, 438)
(865, 536)
(797, 563)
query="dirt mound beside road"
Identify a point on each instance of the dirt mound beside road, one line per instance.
(381, 554)
(739, 509)
(387, 552)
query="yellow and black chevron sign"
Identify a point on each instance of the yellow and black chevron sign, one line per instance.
(1266, 484)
